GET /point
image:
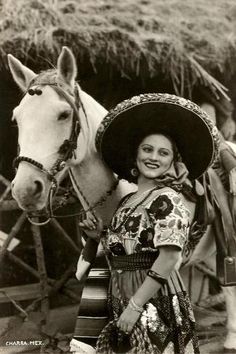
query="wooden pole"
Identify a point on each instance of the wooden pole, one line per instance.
(22, 264)
(66, 237)
(42, 272)
(56, 286)
(205, 270)
(14, 230)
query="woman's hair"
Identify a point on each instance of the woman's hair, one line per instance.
(133, 151)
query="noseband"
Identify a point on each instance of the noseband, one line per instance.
(68, 147)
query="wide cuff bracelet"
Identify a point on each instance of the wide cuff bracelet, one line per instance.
(157, 277)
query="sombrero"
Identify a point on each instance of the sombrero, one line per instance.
(185, 122)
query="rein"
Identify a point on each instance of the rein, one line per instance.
(66, 151)
(90, 208)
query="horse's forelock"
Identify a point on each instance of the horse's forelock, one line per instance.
(45, 77)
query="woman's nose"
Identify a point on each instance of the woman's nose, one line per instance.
(154, 156)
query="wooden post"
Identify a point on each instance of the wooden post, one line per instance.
(42, 272)
(22, 264)
(202, 267)
(66, 237)
(15, 229)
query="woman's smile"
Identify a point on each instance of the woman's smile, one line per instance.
(151, 165)
(155, 156)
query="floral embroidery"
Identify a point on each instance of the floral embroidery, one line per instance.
(179, 224)
(161, 207)
(132, 224)
(161, 221)
(178, 212)
(117, 249)
(146, 237)
(138, 247)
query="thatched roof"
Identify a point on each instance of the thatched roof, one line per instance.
(178, 39)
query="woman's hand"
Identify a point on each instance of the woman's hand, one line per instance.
(92, 226)
(127, 320)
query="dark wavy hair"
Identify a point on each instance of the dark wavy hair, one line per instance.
(133, 150)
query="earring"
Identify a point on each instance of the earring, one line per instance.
(134, 172)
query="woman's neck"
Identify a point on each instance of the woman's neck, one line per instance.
(145, 184)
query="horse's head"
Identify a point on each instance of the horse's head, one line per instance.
(48, 125)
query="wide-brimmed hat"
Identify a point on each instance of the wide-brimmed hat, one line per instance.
(192, 130)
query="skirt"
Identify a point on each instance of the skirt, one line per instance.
(167, 324)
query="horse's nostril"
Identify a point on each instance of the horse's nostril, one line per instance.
(38, 187)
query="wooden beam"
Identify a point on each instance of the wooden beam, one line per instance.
(42, 271)
(205, 270)
(19, 293)
(14, 230)
(64, 234)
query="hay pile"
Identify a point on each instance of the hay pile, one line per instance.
(178, 39)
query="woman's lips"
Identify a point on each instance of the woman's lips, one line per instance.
(151, 165)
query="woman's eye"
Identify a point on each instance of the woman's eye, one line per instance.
(146, 149)
(64, 115)
(163, 153)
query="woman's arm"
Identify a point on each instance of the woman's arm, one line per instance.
(92, 227)
(86, 258)
(164, 265)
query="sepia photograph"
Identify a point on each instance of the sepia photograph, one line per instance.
(117, 176)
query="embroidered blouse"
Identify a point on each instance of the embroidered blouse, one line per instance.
(159, 220)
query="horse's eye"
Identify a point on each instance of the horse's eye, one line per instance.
(64, 115)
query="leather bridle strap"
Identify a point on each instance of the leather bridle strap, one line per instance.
(33, 162)
(69, 145)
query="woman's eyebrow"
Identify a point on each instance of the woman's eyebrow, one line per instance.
(145, 144)
(149, 145)
(164, 148)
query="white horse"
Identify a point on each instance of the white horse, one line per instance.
(45, 118)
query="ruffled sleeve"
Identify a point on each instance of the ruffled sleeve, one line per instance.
(170, 219)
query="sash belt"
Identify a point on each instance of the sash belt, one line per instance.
(135, 261)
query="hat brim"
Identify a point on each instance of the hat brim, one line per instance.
(186, 124)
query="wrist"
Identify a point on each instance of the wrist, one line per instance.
(134, 306)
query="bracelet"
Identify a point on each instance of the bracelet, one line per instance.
(157, 277)
(134, 306)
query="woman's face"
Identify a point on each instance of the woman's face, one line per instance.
(155, 156)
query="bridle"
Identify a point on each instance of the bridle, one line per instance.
(68, 147)
(66, 151)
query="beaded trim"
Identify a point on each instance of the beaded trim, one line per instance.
(161, 98)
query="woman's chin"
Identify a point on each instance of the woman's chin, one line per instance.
(152, 175)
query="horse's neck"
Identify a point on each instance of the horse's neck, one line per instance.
(93, 178)
(92, 182)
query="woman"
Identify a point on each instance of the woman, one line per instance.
(156, 141)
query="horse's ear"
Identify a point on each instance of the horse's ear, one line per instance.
(21, 74)
(66, 66)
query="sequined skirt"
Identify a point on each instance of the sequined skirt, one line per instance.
(168, 318)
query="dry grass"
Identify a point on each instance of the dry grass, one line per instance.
(179, 39)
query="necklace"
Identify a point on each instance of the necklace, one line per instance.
(117, 229)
